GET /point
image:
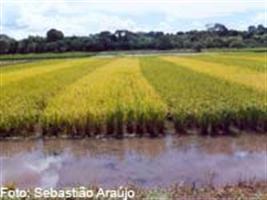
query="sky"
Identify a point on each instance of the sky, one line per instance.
(21, 18)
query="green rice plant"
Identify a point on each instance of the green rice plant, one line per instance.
(196, 100)
(22, 101)
(111, 100)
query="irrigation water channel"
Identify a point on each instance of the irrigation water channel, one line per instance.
(141, 161)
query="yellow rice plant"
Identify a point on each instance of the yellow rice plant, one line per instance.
(230, 60)
(200, 101)
(109, 99)
(22, 101)
(231, 73)
(247, 56)
(28, 70)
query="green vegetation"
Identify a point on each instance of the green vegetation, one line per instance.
(216, 36)
(119, 95)
(204, 102)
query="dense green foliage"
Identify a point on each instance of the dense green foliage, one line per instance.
(216, 36)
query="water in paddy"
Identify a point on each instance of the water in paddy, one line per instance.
(141, 161)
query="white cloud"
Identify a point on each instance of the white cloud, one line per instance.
(88, 16)
(260, 18)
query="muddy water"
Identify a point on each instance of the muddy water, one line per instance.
(140, 161)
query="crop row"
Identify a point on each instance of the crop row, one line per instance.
(204, 103)
(113, 99)
(131, 95)
(251, 62)
(233, 73)
(259, 56)
(22, 101)
(28, 70)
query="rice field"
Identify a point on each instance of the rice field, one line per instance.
(211, 93)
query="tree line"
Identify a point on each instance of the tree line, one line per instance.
(215, 36)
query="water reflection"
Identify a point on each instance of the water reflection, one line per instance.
(142, 161)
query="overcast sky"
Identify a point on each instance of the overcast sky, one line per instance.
(21, 18)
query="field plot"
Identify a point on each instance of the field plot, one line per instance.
(261, 56)
(233, 73)
(207, 93)
(256, 63)
(109, 98)
(197, 100)
(26, 91)
(23, 71)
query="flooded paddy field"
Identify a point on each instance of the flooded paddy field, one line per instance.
(167, 98)
(144, 162)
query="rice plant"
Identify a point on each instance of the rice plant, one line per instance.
(233, 73)
(253, 63)
(112, 100)
(22, 101)
(199, 101)
(133, 95)
(27, 70)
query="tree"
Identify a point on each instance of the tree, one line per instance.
(4, 44)
(252, 29)
(164, 42)
(218, 28)
(7, 44)
(216, 36)
(106, 39)
(236, 43)
(261, 30)
(197, 47)
(54, 35)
